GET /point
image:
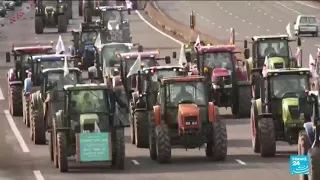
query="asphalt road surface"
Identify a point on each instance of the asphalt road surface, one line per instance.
(20, 159)
(248, 18)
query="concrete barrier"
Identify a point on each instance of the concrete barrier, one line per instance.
(179, 29)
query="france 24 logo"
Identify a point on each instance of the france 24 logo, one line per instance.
(299, 164)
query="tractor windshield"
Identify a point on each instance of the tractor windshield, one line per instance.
(147, 62)
(186, 92)
(109, 52)
(40, 65)
(57, 79)
(89, 102)
(164, 73)
(218, 60)
(278, 46)
(282, 84)
(89, 37)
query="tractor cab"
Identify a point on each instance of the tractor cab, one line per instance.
(115, 27)
(189, 50)
(284, 104)
(275, 51)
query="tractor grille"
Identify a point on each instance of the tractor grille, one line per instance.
(190, 120)
(294, 112)
(278, 65)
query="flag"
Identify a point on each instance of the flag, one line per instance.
(60, 46)
(232, 36)
(65, 67)
(182, 58)
(288, 29)
(135, 68)
(197, 44)
(98, 43)
(318, 53)
(312, 66)
(298, 56)
(265, 67)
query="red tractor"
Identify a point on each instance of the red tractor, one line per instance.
(228, 76)
(17, 74)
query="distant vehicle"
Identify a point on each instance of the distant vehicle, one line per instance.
(3, 10)
(10, 5)
(306, 24)
(17, 2)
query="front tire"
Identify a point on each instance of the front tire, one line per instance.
(267, 137)
(163, 144)
(152, 137)
(62, 152)
(141, 129)
(119, 154)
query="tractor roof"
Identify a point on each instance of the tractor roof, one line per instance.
(183, 79)
(256, 38)
(130, 45)
(32, 49)
(145, 54)
(78, 87)
(289, 71)
(51, 57)
(177, 67)
(218, 48)
(59, 69)
(111, 8)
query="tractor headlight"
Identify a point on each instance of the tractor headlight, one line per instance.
(109, 26)
(117, 27)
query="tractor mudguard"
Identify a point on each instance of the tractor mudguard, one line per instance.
(261, 115)
(286, 115)
(272, 61)
(309, 130)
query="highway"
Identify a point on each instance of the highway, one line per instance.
(21, 159)
(248, 18)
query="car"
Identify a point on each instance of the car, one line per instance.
(306, 24)
(10, 5)
(3, 10)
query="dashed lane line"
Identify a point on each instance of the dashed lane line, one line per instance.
(135, 162)
(306, 4)
(240, 162)
(16, 132)
(38, 175)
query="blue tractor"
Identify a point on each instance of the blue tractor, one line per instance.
(83, 44)
(309, 143)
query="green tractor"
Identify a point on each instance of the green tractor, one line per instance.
(52, 79)
(281, 110)
(308, 143)
(276, 50)
(144, 97)
(86, 129)
(185, 118)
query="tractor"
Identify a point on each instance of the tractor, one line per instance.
(17, 74)
(51, 14)
(281, 110)
(86, 129)
(229, 85)
(40, 102)
(83, 44)
(308, 143)
(185, 118)
(88, 8)
(115, 28)
(276, 51)
(144, 97)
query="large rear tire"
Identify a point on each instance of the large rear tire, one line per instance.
(255, 129)
(15, 100)
(244, 99)
(163, 144)
(62, 151)
(132, 128)
(62, 23)
(38, 25)
(39, 132)
(119, 154)
(141, 129)
(26, 112)
(267, 137)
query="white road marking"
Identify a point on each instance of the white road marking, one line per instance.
(306, 4)
(241, 162)
(250, 23)
(259, 10)
(268, 30)
(135, 162)
(288, 7)
(258, 26)
(230, 14)
(225, 11)
(213, 23)
(265, 14)
(280, 20)
(227, 30)
(271, 17)
(243, 20)
(38, 175)
(1, 95)
(253, 8)
(16, 132)
(221, 7)
(237, 17)
(156, 29)
(219, 27)
(201, 17)
(207, 20)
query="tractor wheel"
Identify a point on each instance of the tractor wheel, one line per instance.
(31, 109)
(132, 128)
(255, 83)
(88, 12)
(51, 146)
(152, 137)
(62, 151)
(62, 23)
(303, 149)
(244, 100)
(39, 132)
(15, 100)
(267, 137)
(141, 129)
(314, 154)
(26, 113)
(80, 7)
(119, 154)
(163, 144)
(54, 143)
(254, 129)
(216, 150)
(38, 25)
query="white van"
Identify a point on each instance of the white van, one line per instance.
(306, 24)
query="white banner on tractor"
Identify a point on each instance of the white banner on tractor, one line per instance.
(232, 36)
